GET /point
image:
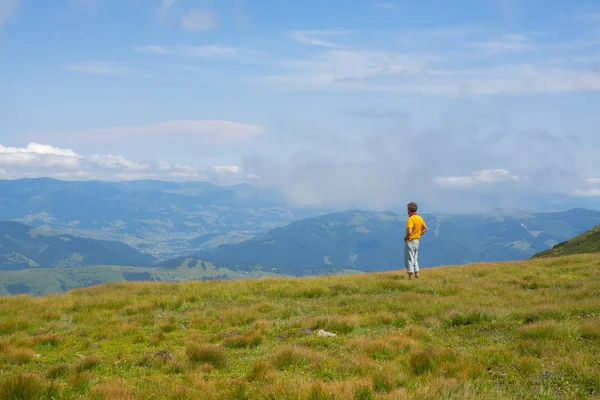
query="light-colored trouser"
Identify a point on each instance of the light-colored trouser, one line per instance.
(411, 252)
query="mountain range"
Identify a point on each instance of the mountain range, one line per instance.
(164, 219)
(372, 241)
(63, 235)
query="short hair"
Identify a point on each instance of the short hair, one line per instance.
(412, 206)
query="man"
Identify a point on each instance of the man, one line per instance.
(415, 227)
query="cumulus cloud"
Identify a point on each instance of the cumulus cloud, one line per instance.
(38, 160)
(199, 20)
(232, 169)
(38, 155)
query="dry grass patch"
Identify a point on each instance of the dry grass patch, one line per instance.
(207, 354)
(88, 363)
(57, 371)
(16, 355)
(47, 340)
(590, 330)
(418, 333)
(383, 318)
(248, 339)
(287, 357)
(261, 370)
(338, 325)
(113, 390)
(550, 330)
(21, 386)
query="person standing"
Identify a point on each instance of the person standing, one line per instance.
(415, 227)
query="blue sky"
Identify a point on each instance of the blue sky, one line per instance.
(466, 105)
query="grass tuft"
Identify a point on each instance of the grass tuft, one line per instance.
(338, 325)
(207, 354)
(21, 386)
(261, 370)
(16, 355)
(291, 356)
(88, 363)
(464, 319)
(551, 330)
(57, 371)
(249, 339)
(111, 390)
(590, 330)
(421, 362)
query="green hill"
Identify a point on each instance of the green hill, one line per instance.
(370, 241)
(588, 242)
(515, 330)
(23, 247)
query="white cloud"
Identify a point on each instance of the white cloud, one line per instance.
(351, 68)
(505, 43)
(38, 160)
(7, 9)
(213, 131)
(494, 176)
(42, 149)
(118, 162)
(318, 37)
(208, 51)
(593, 180)
(199, 20)
(365, 70)
(232, 169)
(102, 68)
(38, 155)
(487, 176)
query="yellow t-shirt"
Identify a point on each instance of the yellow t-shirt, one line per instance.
(416, 223)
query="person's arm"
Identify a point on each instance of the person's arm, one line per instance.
(423, 229)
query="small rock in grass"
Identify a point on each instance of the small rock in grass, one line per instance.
(321, 332)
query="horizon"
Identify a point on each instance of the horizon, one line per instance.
(483, 106)
(325, 210)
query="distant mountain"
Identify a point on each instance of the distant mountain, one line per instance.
(23, 247)
(156, 217)
(587, 242)
(370, 241)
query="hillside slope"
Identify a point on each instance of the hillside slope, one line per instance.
(370, 241)
(516, 330)
(587, 242)
(23, 247)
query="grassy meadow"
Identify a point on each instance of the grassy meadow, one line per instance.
(518, 330)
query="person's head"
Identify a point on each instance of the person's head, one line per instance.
(412, 207)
